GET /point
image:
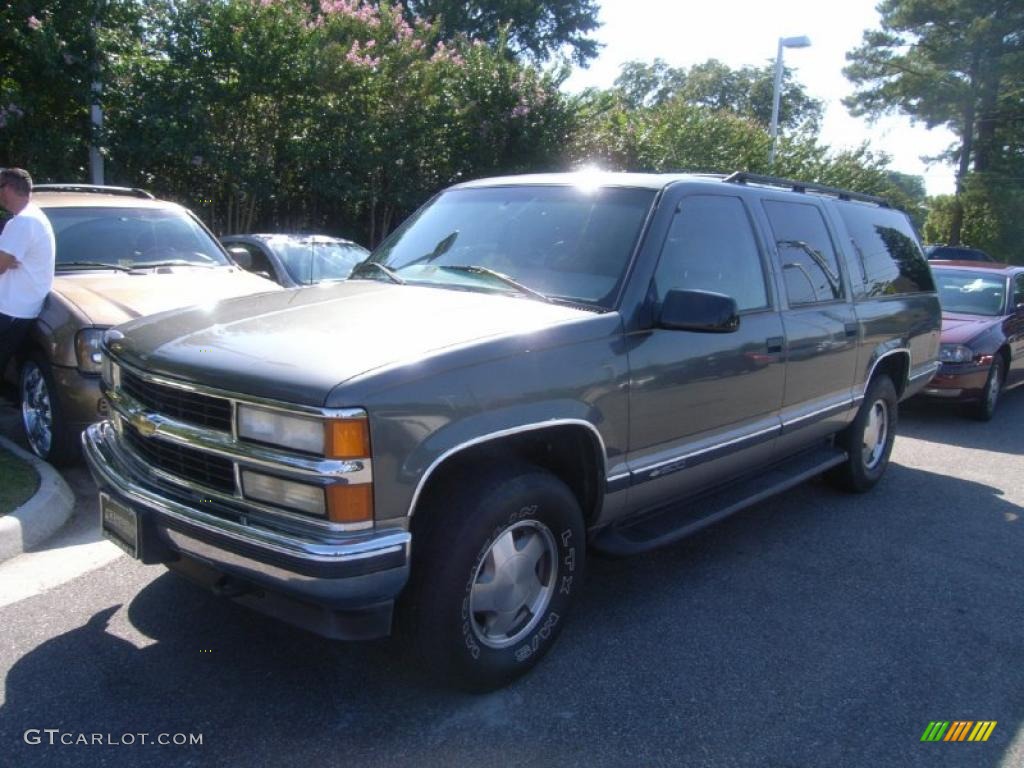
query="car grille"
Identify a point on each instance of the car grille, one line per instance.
(196, 466)
(190, 407)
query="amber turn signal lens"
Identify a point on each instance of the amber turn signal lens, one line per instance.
(347, 439)
(350, 503)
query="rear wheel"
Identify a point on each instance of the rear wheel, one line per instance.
(985, 408)
(868, 440)
(496, 564)
(42, 418)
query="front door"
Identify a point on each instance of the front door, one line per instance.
(702, 404)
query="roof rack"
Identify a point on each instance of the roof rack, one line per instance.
(95, 189)
(742, 177)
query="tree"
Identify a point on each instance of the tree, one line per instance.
(957, 63)
(538, 29)
(746, 92)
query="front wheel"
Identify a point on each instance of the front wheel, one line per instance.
(46, 429)
(496, 565)
(868, 440)
(985, 408)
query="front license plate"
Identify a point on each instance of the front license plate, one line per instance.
(120, 524)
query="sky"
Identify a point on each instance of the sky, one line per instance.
(746, 32)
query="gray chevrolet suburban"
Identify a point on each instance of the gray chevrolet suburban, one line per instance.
(530, 369)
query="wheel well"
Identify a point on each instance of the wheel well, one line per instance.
(897, 368)
(571, 453)
(1004, 352)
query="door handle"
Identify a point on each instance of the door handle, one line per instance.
(774, 345)
(851, 330)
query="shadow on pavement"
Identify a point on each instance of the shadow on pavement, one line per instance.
(947, 423)
(815, 629)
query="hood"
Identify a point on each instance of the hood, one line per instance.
(298, 345)
(960, 329)
(111, 298)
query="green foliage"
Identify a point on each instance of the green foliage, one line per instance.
(538, 29)
(746, 92)
(956, 63)
(991, 219)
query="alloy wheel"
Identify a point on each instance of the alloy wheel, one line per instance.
(36, 409)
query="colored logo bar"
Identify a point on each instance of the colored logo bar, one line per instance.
(958, 730)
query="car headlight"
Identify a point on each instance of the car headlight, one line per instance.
(955, 353)
(88, 349)
(333, 438)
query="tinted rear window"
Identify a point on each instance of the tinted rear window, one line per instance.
(890, 257)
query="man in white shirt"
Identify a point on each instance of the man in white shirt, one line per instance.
(27, 253)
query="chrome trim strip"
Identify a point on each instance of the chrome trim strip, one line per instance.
(498, 435)
(217, 443)
(821, 412)
(928, 371)
(236, 398)
(616, 478)
(687, 457)
(368, 546)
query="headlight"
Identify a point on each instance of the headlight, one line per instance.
(333, 438)
(88, 350)
(285, 493)
(955, 353)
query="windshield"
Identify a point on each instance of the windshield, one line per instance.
(565, 242)
(972, 293)
(131, 237)
(310, 260)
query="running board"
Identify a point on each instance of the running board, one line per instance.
(680, 519)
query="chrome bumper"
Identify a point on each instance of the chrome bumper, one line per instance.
(348, 571)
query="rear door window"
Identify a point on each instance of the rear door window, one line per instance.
(810, 269)
(890, 258)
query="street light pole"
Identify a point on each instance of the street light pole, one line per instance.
(801, 41)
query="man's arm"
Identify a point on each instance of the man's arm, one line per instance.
(7, 261)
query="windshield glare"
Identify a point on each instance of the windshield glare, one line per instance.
(564, 242)
(131, 237)
(971, 293)
(313, 260)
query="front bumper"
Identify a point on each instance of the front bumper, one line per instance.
(343, 587)
(80, 396)
(964, 381)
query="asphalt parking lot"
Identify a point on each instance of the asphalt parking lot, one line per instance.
(817, 629)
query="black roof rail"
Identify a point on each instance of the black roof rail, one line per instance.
(742, 177)
(94, 188)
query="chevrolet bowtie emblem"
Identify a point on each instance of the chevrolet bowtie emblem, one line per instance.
(143, 425)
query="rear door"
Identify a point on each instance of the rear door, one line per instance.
(820, 323)
(1015, 330)
(705, 405)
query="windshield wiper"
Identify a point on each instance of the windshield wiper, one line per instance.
(91, 265)
(477, 270)
(172, 263)
(391, 275)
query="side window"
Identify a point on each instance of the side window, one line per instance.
(890, 257)
(810, 269)
(260, 262)
(1018, 290)
(711, 247)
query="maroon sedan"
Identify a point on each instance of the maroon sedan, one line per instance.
(982, 350)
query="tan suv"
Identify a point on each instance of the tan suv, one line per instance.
(121, 254)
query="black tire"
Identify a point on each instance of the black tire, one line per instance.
(459, 537)
(41, 410)
(866, 464)
(985, 408)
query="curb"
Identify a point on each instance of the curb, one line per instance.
(39, 517)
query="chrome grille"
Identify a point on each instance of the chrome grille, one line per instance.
(180, 404)
(199, 467)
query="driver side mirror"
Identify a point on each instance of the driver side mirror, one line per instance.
(240, 256)
(701, 311)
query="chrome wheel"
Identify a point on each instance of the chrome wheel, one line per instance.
(876, 432)
(513, 584)
(36, 410)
